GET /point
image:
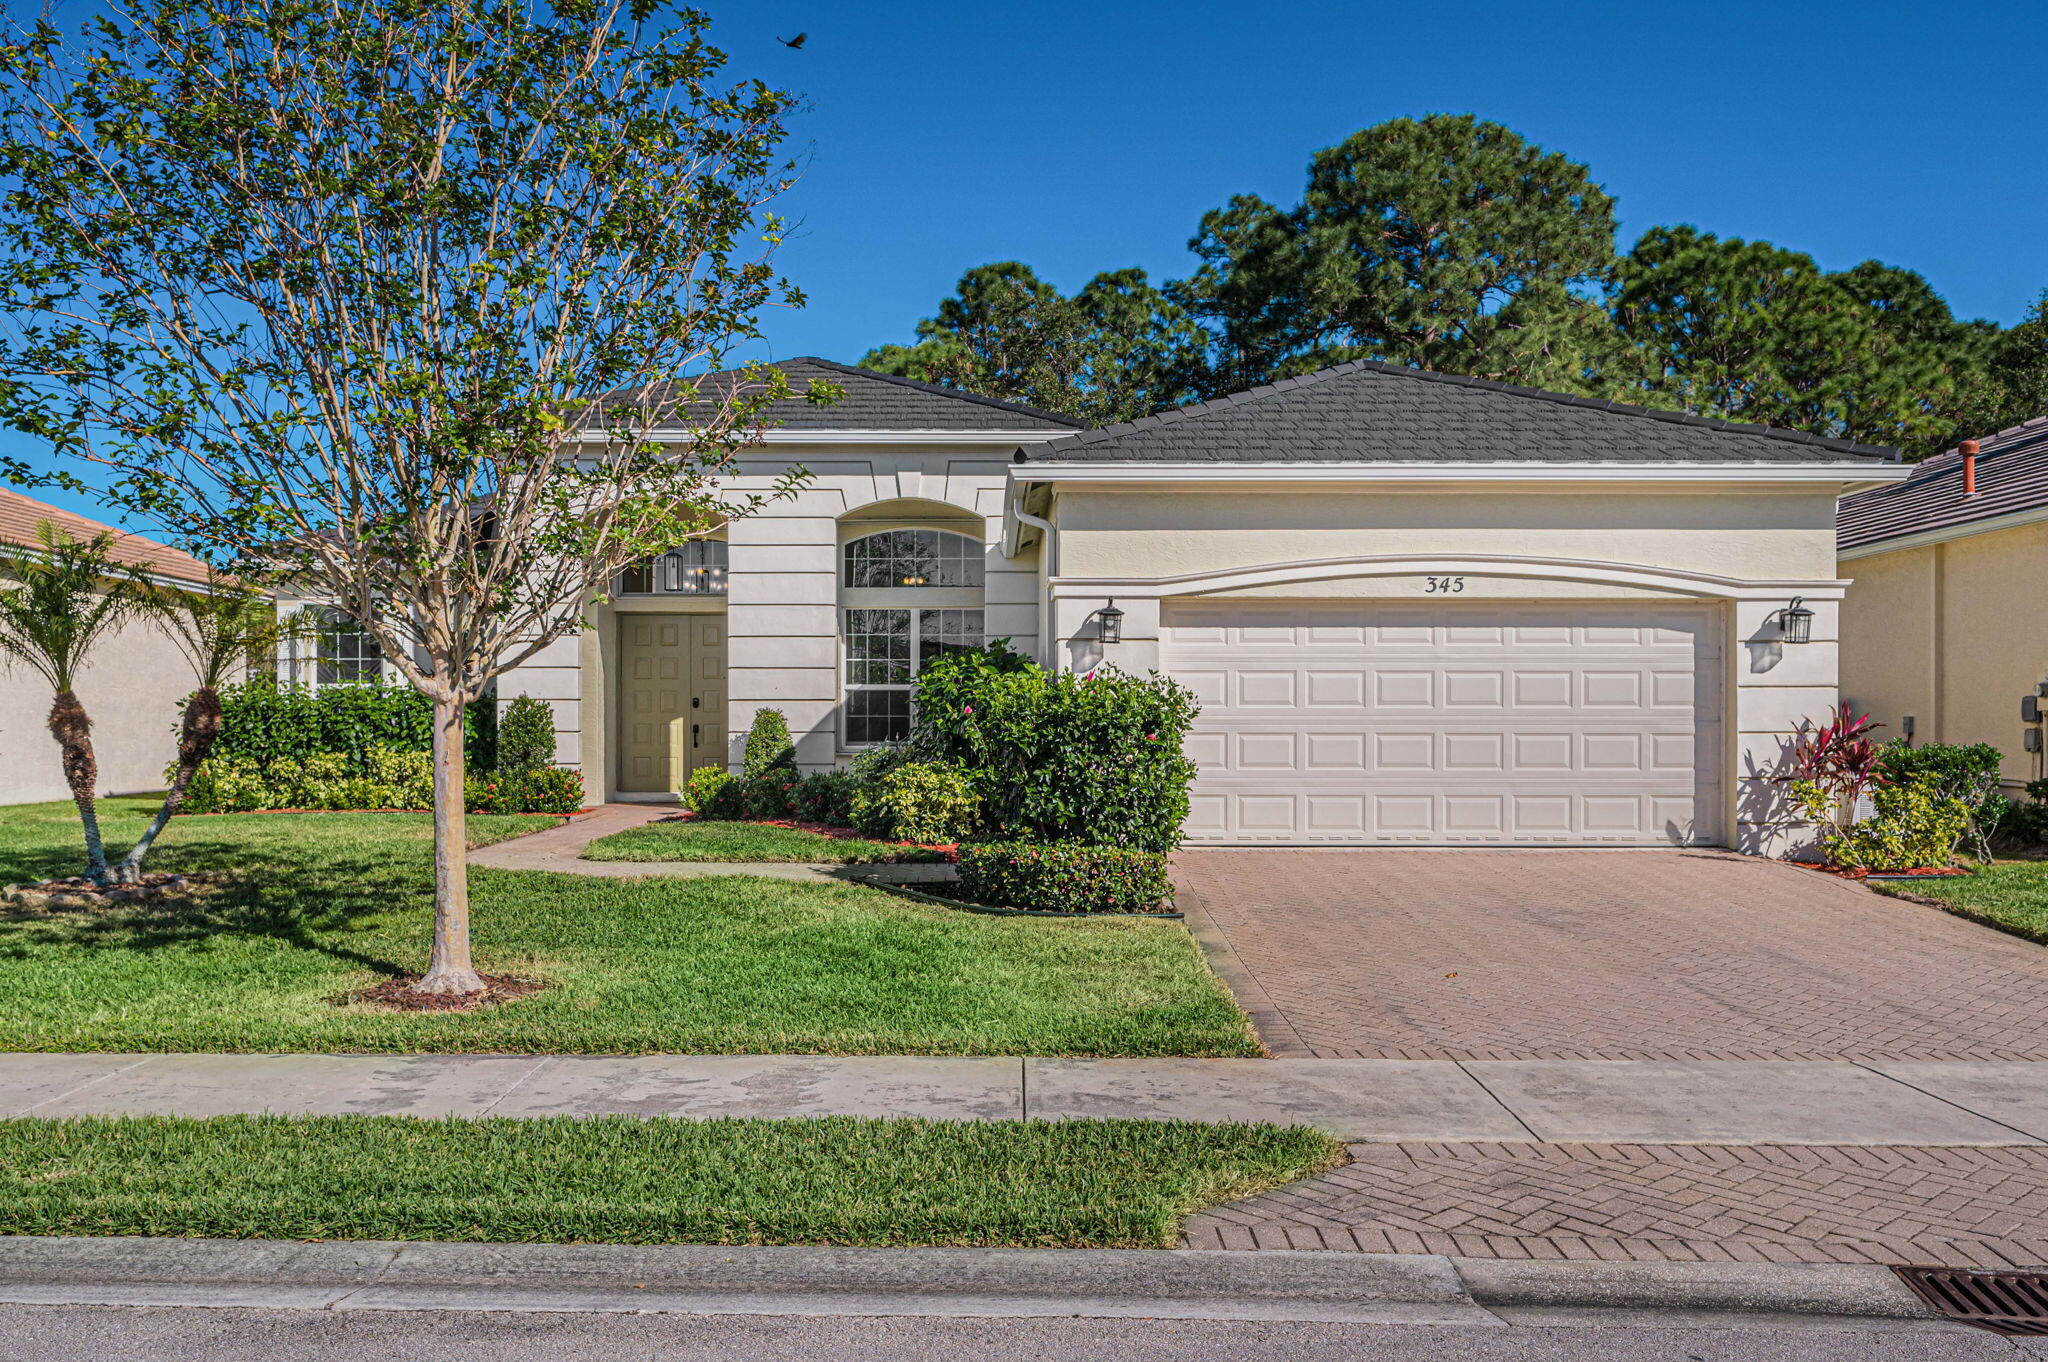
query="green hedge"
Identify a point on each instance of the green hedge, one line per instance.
(266, 722)
(1064, 877)
(1092, 759)
(390, 780)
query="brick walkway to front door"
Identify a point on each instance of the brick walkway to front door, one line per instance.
(1410, 954)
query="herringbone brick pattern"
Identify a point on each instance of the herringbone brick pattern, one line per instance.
(1400, 954)
(1679, 1203)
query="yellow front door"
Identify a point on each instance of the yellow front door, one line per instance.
(671, 699)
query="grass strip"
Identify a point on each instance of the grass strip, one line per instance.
(626, 1180)
(716, 841)
(2011, 896)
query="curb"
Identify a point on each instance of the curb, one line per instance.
(1188, 1284)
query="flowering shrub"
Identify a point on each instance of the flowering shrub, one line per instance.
(1095, 759)
(547, 790)
(712, 792)
(772, 794)
(1064, 877)
(917, 801)
(825, 797)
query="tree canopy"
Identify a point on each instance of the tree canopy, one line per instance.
(1454, 244)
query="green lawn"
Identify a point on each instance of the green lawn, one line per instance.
(323, 904)
(695, 841)
(627, 1180)
(2011, 896)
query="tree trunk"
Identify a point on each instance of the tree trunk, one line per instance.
(196, 736)
(73, 732)
(450, 970)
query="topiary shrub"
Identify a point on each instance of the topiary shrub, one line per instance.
(918, 801)
(526, 736)
(711, 792)
(1094, 759)
(825, 797)
(1064, 877)
(768, 745)
(268, 722)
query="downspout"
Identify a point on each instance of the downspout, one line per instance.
(1049, 539)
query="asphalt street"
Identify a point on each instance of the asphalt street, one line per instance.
(97, 1333)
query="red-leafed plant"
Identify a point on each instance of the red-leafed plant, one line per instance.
(1840, 756)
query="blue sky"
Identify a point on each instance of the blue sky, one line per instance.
(1080, 137)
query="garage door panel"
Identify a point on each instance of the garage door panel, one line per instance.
(1349, 724)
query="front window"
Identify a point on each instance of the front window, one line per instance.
(343, 651)
(909, 595)
(694, 569)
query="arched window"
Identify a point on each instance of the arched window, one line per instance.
(911, 595)
(694, 569)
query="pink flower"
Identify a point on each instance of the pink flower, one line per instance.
(968, 710)
(1151, 737)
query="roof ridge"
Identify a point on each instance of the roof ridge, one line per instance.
(1388, 369)
(962, 394)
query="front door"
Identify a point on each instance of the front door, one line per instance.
(671, 699)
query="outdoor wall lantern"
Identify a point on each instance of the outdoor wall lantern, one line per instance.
(1109, 623)
(1795, 622)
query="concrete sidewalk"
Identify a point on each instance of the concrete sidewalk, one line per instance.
(958, 1283)
(1619, 1102)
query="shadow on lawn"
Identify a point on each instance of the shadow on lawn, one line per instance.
(305, 909)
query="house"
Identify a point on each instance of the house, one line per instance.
(134, 685)
(1417, 608)
(1945, 627)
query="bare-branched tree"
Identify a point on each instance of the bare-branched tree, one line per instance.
(393, 297)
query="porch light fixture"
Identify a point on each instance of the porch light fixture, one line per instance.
(1109, 623)
(1795, 622)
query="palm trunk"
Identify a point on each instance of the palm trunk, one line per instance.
(196, 736)
(449, 970)
(73, 732)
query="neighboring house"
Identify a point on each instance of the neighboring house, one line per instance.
(1945, 628)
(1417, 609)
(133, 688)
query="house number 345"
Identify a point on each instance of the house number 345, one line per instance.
(1444, 586)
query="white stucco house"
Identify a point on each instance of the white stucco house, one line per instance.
(1418, 609)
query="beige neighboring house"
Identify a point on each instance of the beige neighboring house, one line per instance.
(133, 687)
(1945, 628)
(1417, 609)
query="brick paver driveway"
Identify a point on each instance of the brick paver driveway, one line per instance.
(1400, 954)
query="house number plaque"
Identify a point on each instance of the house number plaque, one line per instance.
(1443, 586)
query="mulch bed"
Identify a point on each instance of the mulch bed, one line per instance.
(402, 994)
(1845, 872)
(79, 892)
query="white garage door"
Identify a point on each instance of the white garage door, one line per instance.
(1578, 724)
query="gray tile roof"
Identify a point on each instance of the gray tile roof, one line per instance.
(1368, 411)
(2012, 475)
(885, 402)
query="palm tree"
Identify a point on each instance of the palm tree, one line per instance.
(225, 625)
(71, 594)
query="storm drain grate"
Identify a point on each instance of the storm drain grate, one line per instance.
(2003, 1302)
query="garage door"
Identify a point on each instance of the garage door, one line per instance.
(1453, 724)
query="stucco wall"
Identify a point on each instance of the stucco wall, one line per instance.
(1952, 634)
(133, 688)
(1734, 532)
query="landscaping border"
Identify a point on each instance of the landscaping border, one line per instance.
(966, 906)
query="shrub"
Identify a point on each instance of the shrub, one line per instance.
(526, 737)
(268, 722)
(826, 797)
(917, 801)
(390, 780)
(772, 794)
(1056, 757)
(1915, 824)
(1952, 770)
(547, 790)
(2026, 824)
(1065, 877)
(709, 791)
(768, 745)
